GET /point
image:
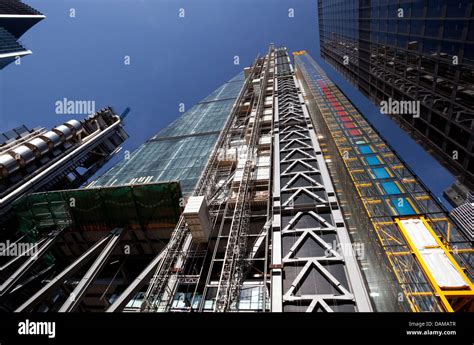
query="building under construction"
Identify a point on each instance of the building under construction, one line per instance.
(273, 194)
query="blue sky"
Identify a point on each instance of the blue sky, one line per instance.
(173, 60)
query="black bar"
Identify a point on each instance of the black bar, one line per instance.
(242, 328)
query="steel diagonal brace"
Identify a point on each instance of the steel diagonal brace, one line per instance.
(10, 283)
(70, 270)
(133, 288)
(76, 296)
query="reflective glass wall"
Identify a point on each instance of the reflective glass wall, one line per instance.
(416, 50)
(180, 151)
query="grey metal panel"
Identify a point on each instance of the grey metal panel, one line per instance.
(52, 138)
(8, 165)
(64, 131)
(24, 154)
(316, 276)
(39, 145)
(74, 125)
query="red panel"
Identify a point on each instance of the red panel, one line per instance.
(345, 119)
(341, 113)
(354, 132)
(349, 125)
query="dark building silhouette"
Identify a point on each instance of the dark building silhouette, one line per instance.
(419, 50)
(16, 18)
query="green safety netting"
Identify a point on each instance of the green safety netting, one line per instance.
(147, 206)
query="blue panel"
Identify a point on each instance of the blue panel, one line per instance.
(372, 160)
(364, 149)
(403, 206)
(390, 188)
(380, 173)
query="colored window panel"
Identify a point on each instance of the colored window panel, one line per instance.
(402, 206)
(349, 125)
(345, 119)
(372, 160)
(354, 132)
(358, 142)
(341, 113)
(380, 173)
(338, 108)
(334, 103)
(390, 188)
(364, 149)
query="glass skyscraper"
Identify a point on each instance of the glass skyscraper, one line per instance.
(293, 203)
(385, 204)
(411, 50)
(181, 150)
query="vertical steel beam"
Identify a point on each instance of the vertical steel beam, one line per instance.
(276, 294)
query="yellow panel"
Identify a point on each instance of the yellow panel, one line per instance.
(441, 293)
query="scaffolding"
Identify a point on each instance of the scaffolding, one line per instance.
(146, 207)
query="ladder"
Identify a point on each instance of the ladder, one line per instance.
(159, 290)
(234, 244)
(160, 279)
(234, 260)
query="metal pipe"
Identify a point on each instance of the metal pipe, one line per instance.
(85, 143)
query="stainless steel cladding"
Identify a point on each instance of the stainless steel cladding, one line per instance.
(64, 132)
(23, 154)
(8, 165)
(52, 139)
(39, 146)
(75, 126)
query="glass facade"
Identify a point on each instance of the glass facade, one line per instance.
(179, 152)
(411, 50)
(386, 191)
